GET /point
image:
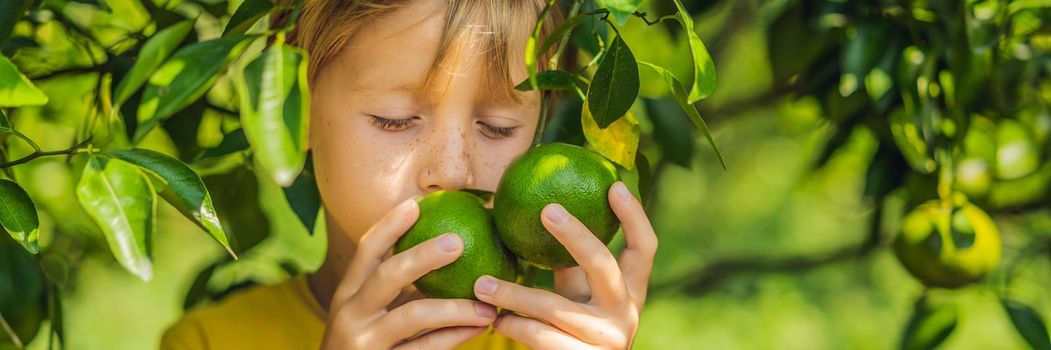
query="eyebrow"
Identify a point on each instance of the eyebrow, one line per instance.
(415, 90)
(371, 88)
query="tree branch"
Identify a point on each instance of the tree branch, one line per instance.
(710, 276)
(38, 154)
(705, 279)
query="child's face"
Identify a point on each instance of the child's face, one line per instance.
(452, 136)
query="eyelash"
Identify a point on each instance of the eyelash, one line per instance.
(402, 124)
(499, 131)
(391, 124)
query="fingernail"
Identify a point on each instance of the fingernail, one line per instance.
(485, 285)
(484, 310)
(449, 242)
(556, 213)
(621, 190)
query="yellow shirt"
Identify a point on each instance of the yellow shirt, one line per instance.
(281, 316)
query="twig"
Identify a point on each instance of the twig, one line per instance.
(38, 154)
(11, 333)
(553, 64)
(36, 148)
(704, 279)
(642, 15)
(715, 273)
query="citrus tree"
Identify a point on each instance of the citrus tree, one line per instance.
(957, 95)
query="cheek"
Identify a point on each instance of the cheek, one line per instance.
(496, 157)
(360, 175)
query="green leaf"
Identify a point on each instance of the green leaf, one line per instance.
(15, 89)
(184, 190)
(1028, 323)
(15, 43)
(246, 15)
(185, 77)
(18, 215)
(673, 132)
(274, 111)
(199, 289)
(1021, 5)
(304, 198)
(120, 199)
(618, 142)
(531, 51)
(10, 11)
(645, 183)
(5, 124)
(704, 75)
(237, 198)
(615, 85)
(233, 142)
(153, 53)
(101, 4)
(550, 80)
(679, 93)
(621, 9)
(909, 138)
(183, 127)
(929, 326)
(861, 52)
(23, 301)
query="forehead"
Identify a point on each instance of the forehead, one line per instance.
(398, 51)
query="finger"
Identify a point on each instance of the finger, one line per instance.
(407, 294)
(421, 315)
(406, 267)
(572, 283)
(374, 244)
(446, 338)
(603, 274)
(534, 334)
(636, 261)
(541, 304)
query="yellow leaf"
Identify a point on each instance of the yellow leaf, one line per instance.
(618, 142)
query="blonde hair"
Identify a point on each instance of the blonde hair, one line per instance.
(325, 27)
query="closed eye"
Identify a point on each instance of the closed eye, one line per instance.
(391, 124)
(496, 132)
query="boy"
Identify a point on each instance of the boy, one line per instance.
(411, 97)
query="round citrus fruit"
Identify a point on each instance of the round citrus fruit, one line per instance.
(574, 177)
(1016, 154)
(945, 247)
(463, 214)
(973, 177)
(974, 174)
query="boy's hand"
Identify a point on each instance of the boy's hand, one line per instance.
(359, 317)
(604, 312)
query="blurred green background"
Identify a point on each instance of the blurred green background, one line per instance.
(769, 253)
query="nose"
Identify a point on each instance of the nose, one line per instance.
(446, 160)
